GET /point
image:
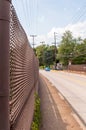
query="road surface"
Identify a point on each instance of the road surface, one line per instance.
(72, 87)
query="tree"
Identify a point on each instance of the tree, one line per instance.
(45, 54)
(80, 53)
(48, 57)
(66, 48)
(40, 52)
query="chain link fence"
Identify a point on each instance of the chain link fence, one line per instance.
(23, 75)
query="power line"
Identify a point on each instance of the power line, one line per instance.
(80, 13)
(80, 16)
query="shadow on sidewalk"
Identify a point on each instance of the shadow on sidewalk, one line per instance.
(51, 119)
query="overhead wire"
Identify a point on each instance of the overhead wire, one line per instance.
(24, 11)
(21, 12)
(77, 17)
(30, 15)
(29, 12)
(35, 17)
(26, 14)
(37, 14)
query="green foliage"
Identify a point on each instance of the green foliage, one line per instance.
(40, 52)
(45, 54)
(66, 48)
(72, 49)
(42, 67)
(79, 59)
(37, 114)
(80, 52)
(48, 58)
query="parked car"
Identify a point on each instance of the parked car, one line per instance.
(47, 69)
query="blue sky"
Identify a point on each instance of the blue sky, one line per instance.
(43, 17)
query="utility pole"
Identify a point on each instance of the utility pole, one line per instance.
(55, 47)
(55, 44)
(42, 42)
(42, 52)
(33, 36)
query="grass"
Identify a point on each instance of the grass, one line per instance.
(37, 114)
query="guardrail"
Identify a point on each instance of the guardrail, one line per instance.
(18, 72)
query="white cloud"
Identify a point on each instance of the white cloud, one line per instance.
(40, 38)
(78, 29)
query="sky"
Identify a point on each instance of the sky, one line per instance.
(44, 17)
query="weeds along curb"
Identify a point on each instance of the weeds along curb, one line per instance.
(37, 114)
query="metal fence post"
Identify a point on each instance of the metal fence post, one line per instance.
(4, 64)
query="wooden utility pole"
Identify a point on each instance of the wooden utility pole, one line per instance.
(33, 36)
(55, 44)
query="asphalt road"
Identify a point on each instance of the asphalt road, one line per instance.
(73, 87)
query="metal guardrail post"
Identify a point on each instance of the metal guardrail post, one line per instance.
(4, 64)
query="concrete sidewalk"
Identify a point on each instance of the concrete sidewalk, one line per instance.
(49, 112)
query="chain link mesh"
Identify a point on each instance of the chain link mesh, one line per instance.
(23, 67)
